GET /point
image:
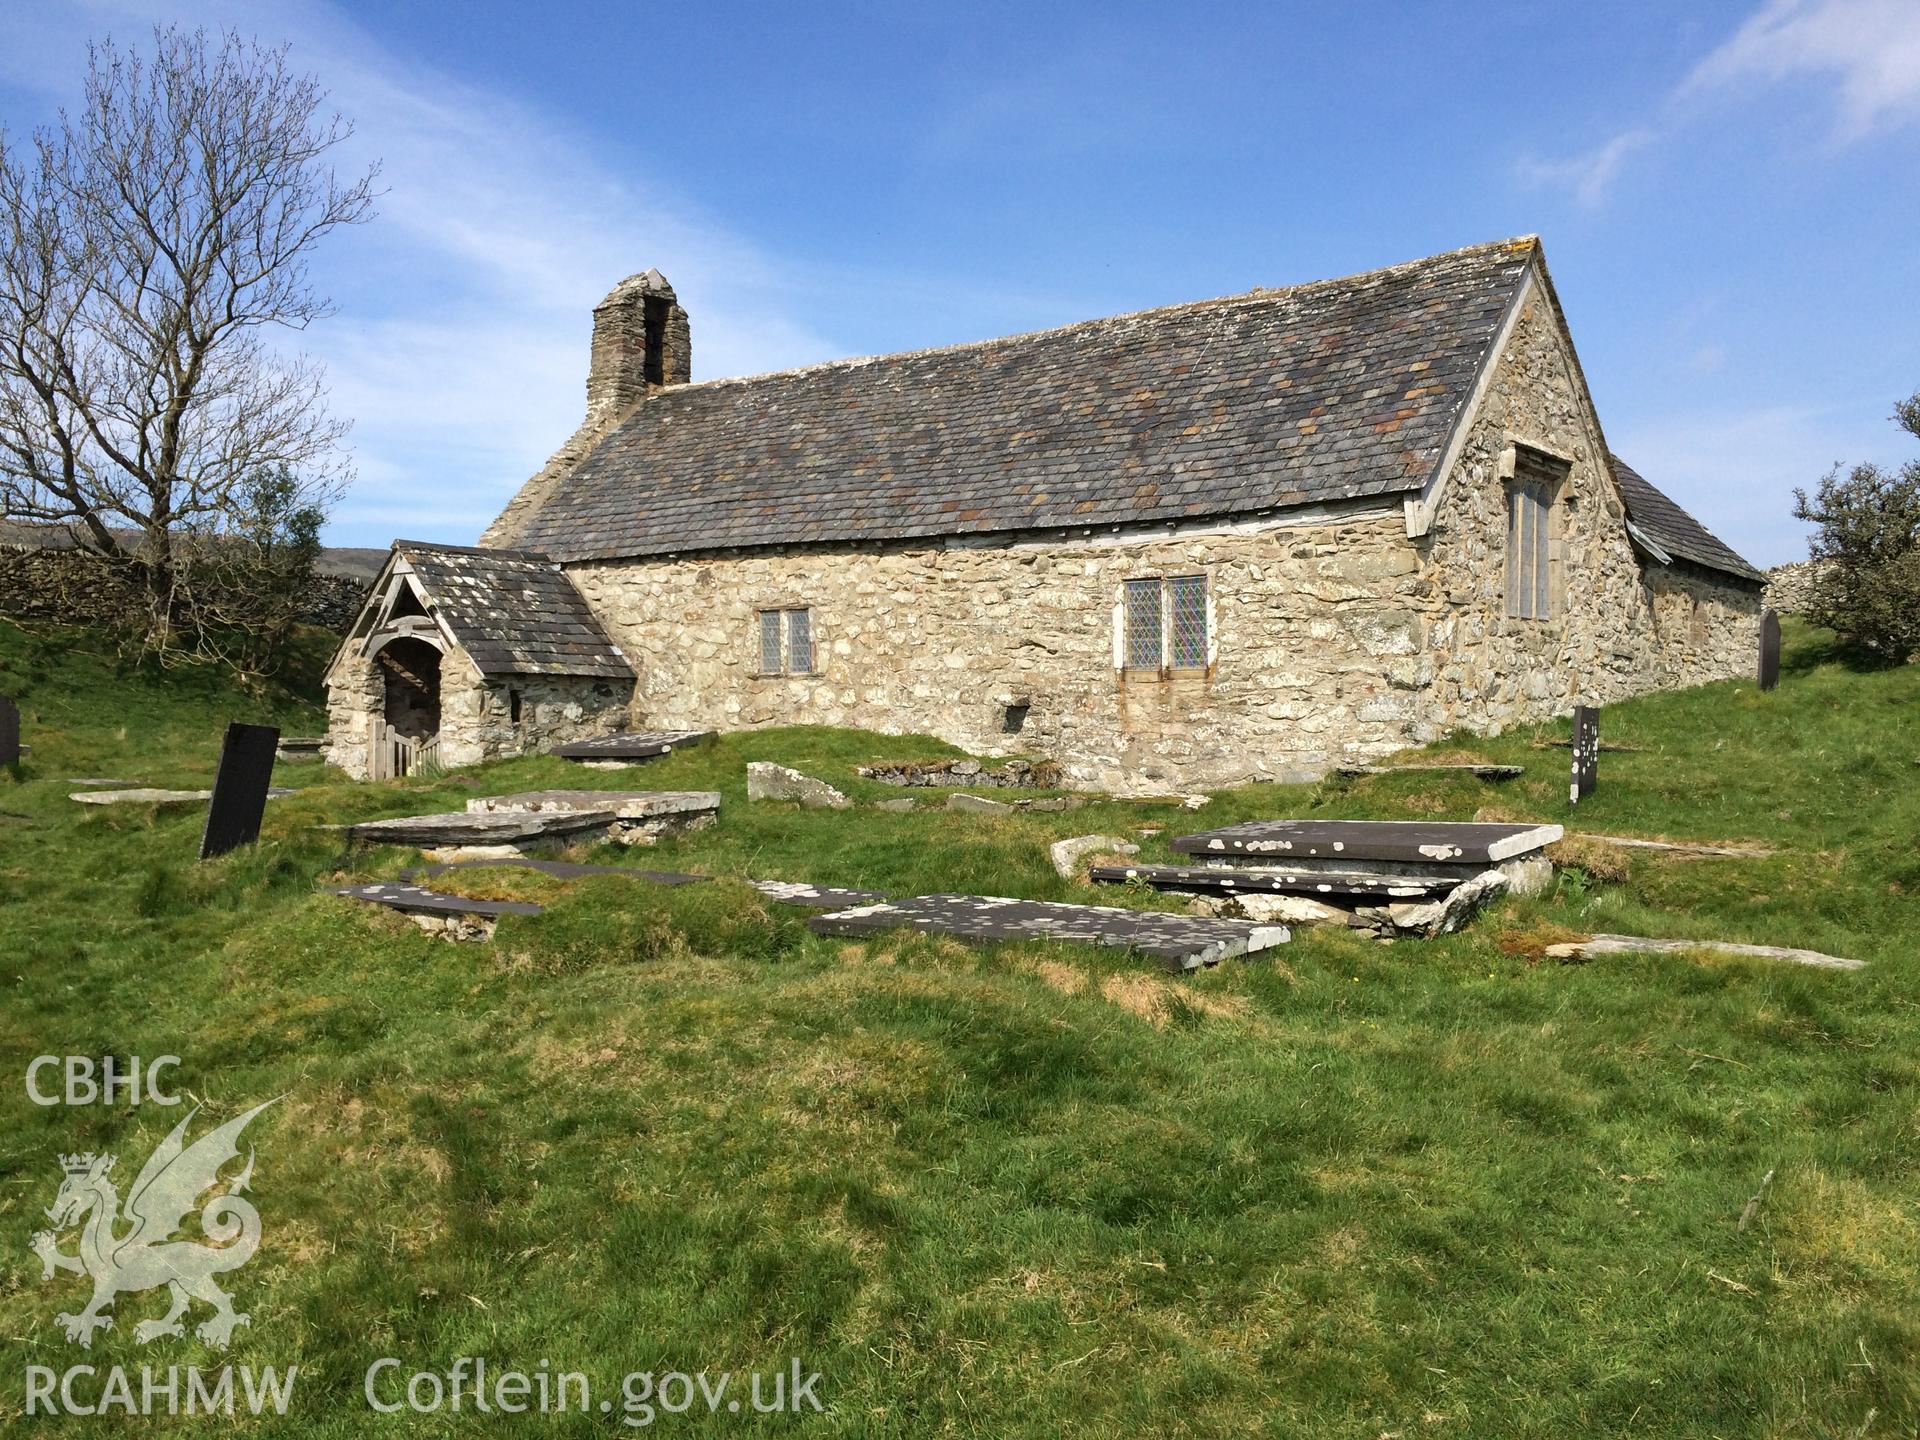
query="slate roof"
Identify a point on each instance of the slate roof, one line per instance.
(514, 612)
(1334, 390)
(1673, 529)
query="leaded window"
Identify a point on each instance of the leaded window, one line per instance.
(1144, 624)
(771, 660)
(800, 641)
(1187, 596)
(1166, 623)
(786, 642)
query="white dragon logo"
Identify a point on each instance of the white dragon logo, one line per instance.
(145, 1258)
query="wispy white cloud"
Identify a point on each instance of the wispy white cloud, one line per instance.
(460, 345)
(1869, 49)
(1588, 176)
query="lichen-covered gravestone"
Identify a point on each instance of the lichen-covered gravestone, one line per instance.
(9, 733)
(1586, 752)
(240, 788)
(1769, 650)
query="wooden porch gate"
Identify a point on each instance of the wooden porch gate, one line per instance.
(394, 755)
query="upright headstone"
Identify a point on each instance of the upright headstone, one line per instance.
(1586, 752)
(1769, 650)
(9, 733)
(240, 788)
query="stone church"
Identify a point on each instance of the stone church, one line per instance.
(1223, 541)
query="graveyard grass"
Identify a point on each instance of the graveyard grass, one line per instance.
(1436, 1188)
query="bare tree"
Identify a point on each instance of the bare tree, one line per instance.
(146, 246)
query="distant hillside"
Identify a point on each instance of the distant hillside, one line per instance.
(351, 564)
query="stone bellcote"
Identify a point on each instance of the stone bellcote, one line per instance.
(641, 342)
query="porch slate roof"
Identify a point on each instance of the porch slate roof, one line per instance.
(1673, 529)
(1336, 390)
(513, 611)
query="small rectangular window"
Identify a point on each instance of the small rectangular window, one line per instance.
(1166, 623)
(1188, 597)
(1529, 554)
(513, 706)
(1144, 647)
(786, 642)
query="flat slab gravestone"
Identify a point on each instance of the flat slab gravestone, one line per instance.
(240, 788)
(418, 900)
(632, 746)
(458, 830)
(1377, 840)
(1595, 946)
(559, 869)
(1225, 880)
(640, 816)
(9, 732)
(1586, 752)
(815, 897)
(1180, 942)
(785, 892)
(1682, 847)
(147, 796)
(1476, 770)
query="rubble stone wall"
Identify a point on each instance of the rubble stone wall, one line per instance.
(476, 713)
(1611, 631)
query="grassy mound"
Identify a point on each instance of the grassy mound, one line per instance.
(1433, 1188)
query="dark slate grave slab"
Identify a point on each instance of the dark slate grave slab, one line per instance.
(418, 900)
(9, 733)
(240, 788)
(1315, 883)
(815, 897)
(1769, 650)
(636, 745)
(1275, 841)
(507, 827)
(785, 892)
(559, 869)
(1586, 752)
(1180, 942)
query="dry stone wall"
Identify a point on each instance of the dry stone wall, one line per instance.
(75, 588)
(1790, 587)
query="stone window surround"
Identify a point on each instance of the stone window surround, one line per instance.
(1166, 670)
(1520, 459)
(783, 604)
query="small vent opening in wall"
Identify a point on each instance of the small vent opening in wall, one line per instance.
(513, 706)
(1013, 719)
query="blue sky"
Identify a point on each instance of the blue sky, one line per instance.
(1727, 194)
